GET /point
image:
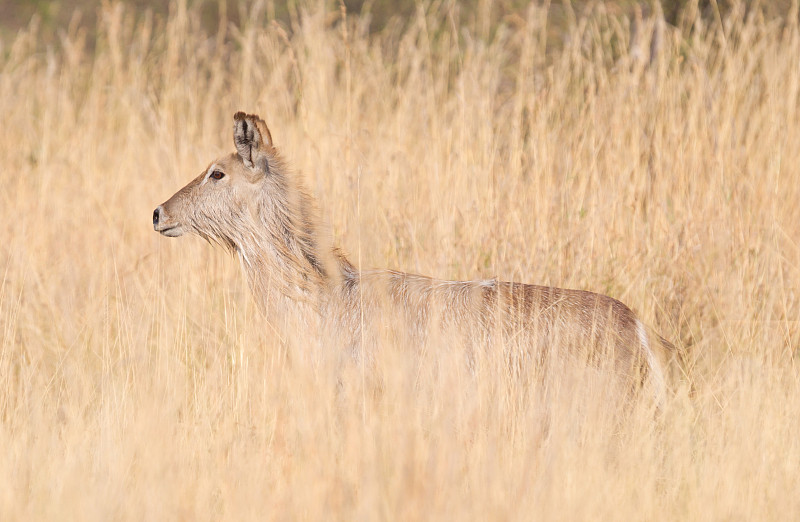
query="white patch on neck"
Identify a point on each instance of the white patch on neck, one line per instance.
(243, 257)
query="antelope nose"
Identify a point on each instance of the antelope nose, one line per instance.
(156, 216)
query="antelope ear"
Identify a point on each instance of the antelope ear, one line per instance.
(251, 136)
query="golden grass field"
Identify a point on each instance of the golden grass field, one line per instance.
(139, 381)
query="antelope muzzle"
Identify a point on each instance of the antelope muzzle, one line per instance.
(163, 224)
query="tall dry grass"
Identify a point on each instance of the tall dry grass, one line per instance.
(139, 381)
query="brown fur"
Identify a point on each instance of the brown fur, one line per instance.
(260, 210)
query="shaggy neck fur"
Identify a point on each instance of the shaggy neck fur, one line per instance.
(283, 252)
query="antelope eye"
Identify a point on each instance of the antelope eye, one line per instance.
(217, 174)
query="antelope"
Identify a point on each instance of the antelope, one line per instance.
(251, 203)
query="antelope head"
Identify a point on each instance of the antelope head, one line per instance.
(222, 203)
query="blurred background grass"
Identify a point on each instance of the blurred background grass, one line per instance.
(139, 382)
(56, 15)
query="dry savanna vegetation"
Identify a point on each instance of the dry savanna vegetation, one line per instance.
(653, 162)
